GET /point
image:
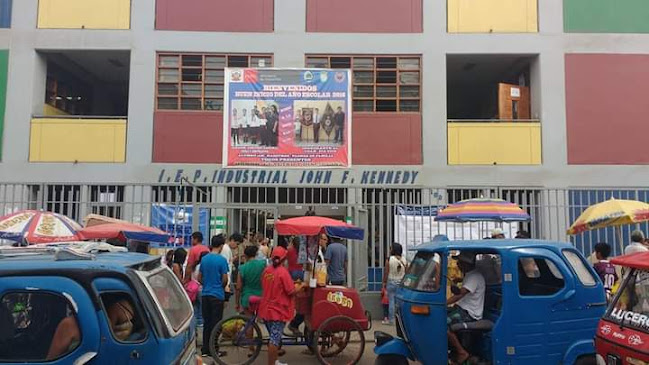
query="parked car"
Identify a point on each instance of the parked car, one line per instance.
(90, 303)
(542, 304)
(623, 333)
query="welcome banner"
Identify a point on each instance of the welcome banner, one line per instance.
(287, 118)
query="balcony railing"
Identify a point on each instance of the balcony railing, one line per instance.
(78, 139)
(494, 142)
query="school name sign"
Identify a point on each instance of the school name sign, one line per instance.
(290, 177)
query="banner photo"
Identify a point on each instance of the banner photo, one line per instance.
(177, 220)
(287, 118)
(414, 225)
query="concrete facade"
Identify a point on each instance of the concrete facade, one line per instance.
(289, 43)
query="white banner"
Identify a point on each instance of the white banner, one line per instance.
(416, 225)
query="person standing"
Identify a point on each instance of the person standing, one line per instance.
(276, 307)
(198, 249)
(395, 270)
(179, 263)
(316, 125)
(637, 243)
(604, 269)
(297, 274)
(245, 125)
(339, 121)
(249, 279)
(336, 259)
(213, 276)
(234, 129)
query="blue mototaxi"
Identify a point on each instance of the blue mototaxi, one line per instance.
(91, 305)
(542, 305)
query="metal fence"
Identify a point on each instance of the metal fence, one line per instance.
(382, 212)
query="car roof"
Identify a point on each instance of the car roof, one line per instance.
(108, 261)
(492, 244)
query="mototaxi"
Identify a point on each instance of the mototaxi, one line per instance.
(623, 332)
(541, 306)
(46, 291)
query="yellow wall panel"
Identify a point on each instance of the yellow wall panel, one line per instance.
(497, 16)
(81, 140)
(88, 14)
(489, 143)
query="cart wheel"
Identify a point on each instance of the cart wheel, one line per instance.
(339, 340)
(237, 340)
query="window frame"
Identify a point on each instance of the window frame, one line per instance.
(548, 262)
(202, 82)
(71, 304)
(583, 264)
(398, 69)
(138, 311)
(144, 278)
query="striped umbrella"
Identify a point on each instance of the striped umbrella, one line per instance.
(481, 210)
(34, 226)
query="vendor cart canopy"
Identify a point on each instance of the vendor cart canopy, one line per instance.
(313, 226)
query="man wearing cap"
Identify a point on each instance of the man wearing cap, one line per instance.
(467, 303)
(497, 233)
(276, 307)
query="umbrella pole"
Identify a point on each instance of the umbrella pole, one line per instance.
(618, 233)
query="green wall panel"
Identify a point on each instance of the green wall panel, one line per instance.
(4, 64)
(606, 16)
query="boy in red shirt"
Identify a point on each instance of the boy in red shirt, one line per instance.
(276, 307)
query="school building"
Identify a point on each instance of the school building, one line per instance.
(116, 107)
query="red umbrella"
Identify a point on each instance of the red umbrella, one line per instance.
(124, 231)
(313, 225)
(35, 226)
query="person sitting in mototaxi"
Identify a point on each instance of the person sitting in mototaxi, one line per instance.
(467, 303)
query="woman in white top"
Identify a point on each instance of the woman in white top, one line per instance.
(395, 270)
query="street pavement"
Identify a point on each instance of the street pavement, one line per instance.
(294, 354)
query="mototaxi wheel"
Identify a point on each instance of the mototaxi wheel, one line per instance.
(237, 339)
(391, 360)
(339, 341)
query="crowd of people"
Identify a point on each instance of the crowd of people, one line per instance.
(244, 267)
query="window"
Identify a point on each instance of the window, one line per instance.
(195, 81)
(629, 308)
(124, 320)
(37, 327)
(538, 277)
(423, 273)
(379, 83)
(171, 297)
(580, 268)
(107, 200)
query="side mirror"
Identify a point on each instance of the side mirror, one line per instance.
(85, 358)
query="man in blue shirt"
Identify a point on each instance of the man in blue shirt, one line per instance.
(336, 259)
(214, 277)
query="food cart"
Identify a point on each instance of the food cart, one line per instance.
(335, 320)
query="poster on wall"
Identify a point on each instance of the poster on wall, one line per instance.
(416, 225)
(178, 220)
(287, 118)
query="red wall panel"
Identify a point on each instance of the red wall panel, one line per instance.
(215, 15)
(607, 109)
(386, 139)
(188, 137)
(364, 16)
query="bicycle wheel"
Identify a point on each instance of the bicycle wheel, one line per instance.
(339, 341)
(235, 341)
